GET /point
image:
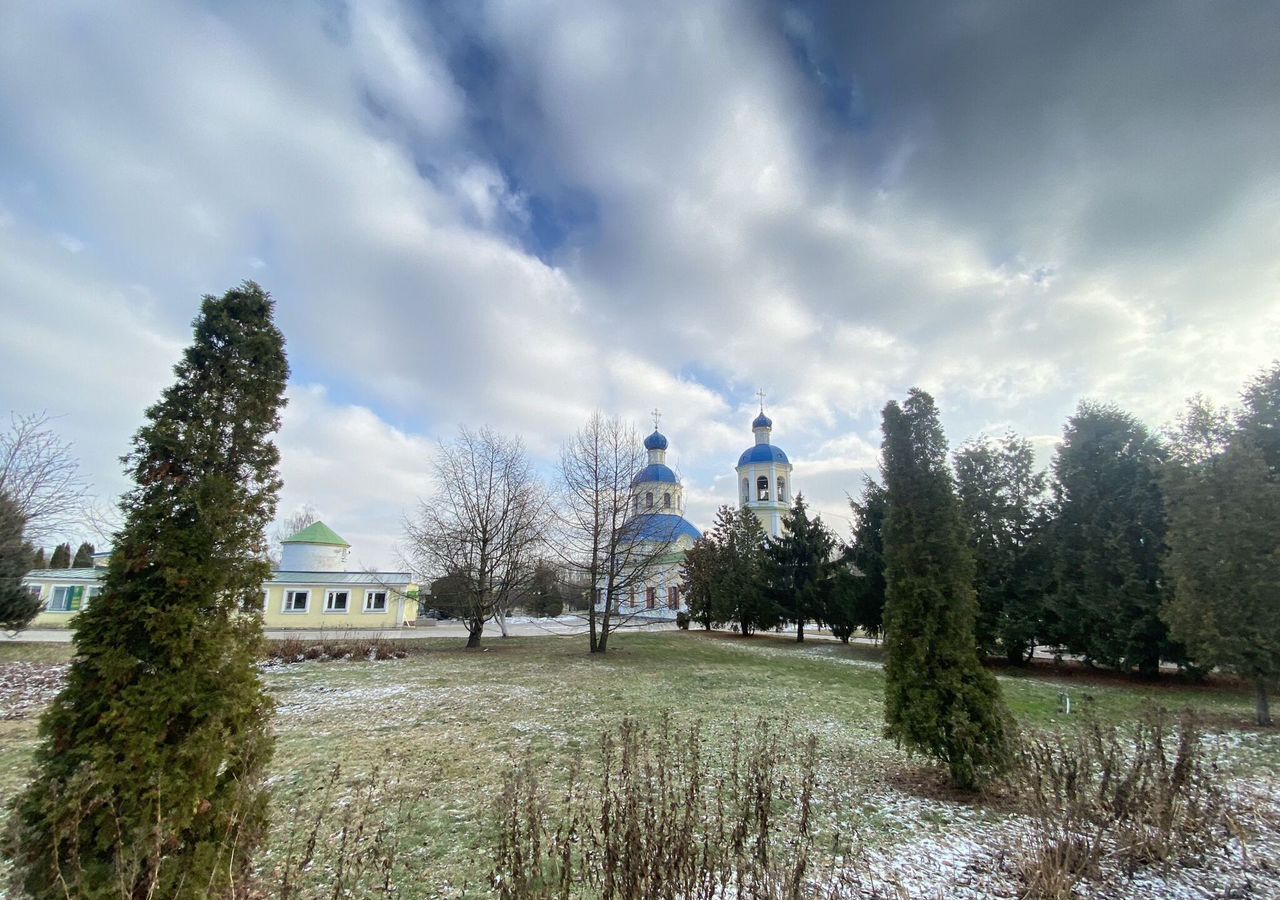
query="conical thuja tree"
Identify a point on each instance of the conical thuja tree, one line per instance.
(938, 698)
(150, 771)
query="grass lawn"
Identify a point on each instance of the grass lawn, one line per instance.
(450, 720)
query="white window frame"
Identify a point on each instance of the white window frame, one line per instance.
(93, 592)
(292, 596)
(369, 595)
(65, 588)
(329, 596)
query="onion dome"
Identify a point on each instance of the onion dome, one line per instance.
(762, 421)
(656, 441)
(763, 453)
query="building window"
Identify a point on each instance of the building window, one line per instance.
(336, 601)
(648, 499)
(296, 601)
(650, 598)
(782, 491)
(666, 499)
(375, 601)
(746, 491)
(762, 487)
(252, 604)
(66, 598)
(91, 593)
(673, 598)
(637, 503)
(599, 596)
(34, 591)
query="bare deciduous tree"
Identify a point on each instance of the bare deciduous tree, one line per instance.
(39, 473)
(603, 532)
(484, 526)
(288, 527)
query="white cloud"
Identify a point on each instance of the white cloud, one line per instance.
(720, 198)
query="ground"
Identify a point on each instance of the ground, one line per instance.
(449, 721)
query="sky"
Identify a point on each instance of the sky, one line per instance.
(512, 213)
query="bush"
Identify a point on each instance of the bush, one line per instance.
(659, 818)
(347, 839)
(1152, 794)
(682, 620)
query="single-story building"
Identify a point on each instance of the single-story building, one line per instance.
(310, 589)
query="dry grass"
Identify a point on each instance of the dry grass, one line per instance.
(1148, 794)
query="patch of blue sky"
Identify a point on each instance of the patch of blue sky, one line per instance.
(842, 98)
(715, 381)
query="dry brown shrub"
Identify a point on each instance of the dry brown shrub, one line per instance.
(1151, 794)
(661, 818)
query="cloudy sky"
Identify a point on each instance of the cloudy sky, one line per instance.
(512, 213)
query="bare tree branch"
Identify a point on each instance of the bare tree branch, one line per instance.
(602, 531)
(484, 525)
(39, 473)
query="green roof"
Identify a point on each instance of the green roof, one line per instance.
(316, 533)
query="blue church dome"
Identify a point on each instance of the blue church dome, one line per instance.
(762, 421)
(763, 453)
(663, 528)
(655, 472)
(656, 441)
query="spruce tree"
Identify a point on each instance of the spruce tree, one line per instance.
(938, 699)
(866, 554)
(38, 561)
(700, 571)
(799, 566)
(61, 558)
(84, 557)
(1001, 494)
(1109, 542)
(1223, 498)
(18, 606)
(744, 589)
(149, 776)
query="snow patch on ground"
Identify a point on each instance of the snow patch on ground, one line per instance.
(27, 687)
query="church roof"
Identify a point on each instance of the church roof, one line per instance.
(662, 528)
(656, 441)
(317, 533)
(655, 472)
(763, 453)
(762, 421)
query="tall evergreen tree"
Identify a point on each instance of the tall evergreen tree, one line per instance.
(1001, 493)
(1109, 542)
(84, 557)
(61, 558)
(150, 772)
(18, 606)
(938, 698)
(866, 554)
(742, 588)
(1260, 417)
(703, 573)
(1224, 515)
(38, 561)
(799, 566)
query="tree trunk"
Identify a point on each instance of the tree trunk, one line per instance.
(800, 632)
(1262, 704)
(501, 616)
(473, 634)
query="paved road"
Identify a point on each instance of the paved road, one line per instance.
(447, 629)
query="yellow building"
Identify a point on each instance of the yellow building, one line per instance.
(311, 589)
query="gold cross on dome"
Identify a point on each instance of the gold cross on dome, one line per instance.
(656, 416)
(760, 394)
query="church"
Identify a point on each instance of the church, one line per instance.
(663, 535)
